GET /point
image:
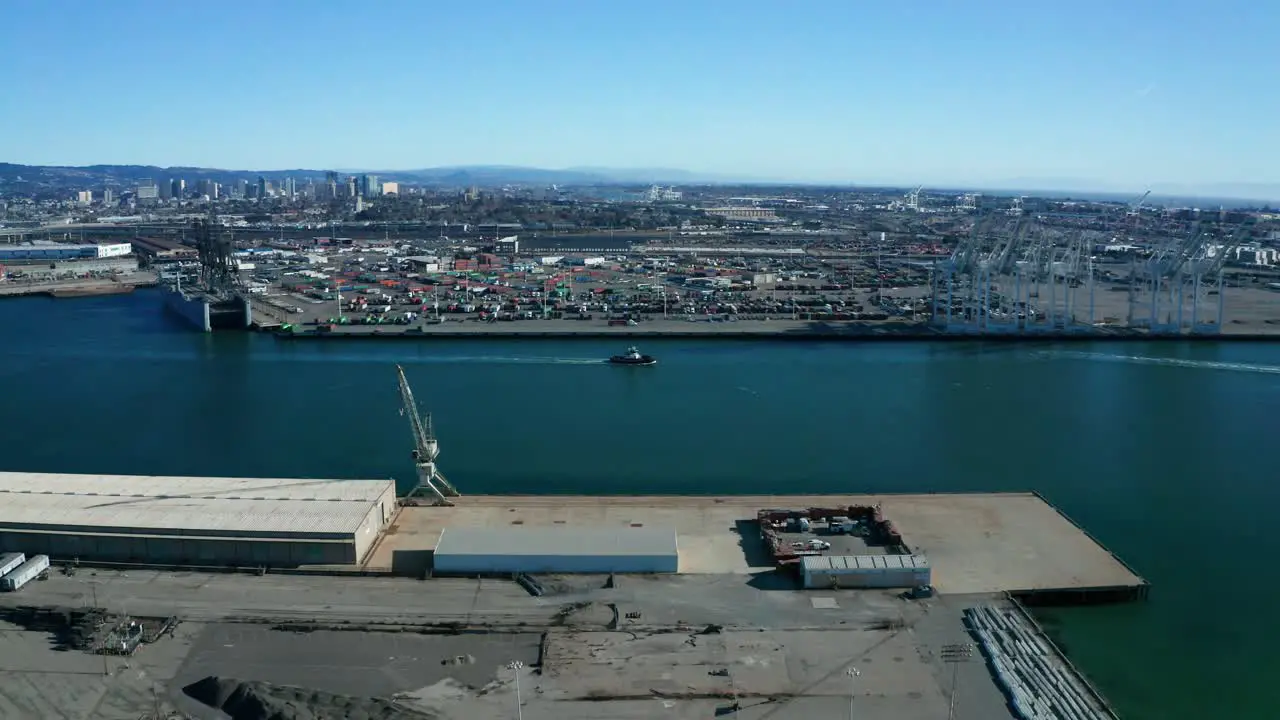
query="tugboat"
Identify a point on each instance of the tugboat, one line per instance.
(633, 357)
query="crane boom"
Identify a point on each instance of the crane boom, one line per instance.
(422, 432)
(426, 447)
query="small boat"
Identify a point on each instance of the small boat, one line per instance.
(633, 357)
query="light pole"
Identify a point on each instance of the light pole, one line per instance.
(954, 655)
(515, 667)
(853, 684)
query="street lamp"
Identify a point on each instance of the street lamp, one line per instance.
(515, 667)
(853, 674)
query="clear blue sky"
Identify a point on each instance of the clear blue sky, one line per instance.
(1125, 93)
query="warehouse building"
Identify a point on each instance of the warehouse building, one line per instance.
(865, 571)
(50, 251)
(246, 522)
(483, 551)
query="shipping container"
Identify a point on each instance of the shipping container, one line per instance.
(25, 573)
(9, 561)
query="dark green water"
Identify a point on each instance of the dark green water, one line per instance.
(1163, 451)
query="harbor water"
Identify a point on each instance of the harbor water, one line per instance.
(1162, 451)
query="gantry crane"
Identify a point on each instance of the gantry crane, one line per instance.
(1209, 265)
(1135, 206)
(426, 449)
(1168, 281)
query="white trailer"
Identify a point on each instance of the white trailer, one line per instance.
(9, 561)
(25, 573)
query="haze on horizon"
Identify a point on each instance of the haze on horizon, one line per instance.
(1114, 96)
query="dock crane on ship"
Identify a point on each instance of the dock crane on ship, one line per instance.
(426, 450)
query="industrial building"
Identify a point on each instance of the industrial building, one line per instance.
(246, 522)
(63, 251)
(623, 549)
(865, 571)
(162, 249)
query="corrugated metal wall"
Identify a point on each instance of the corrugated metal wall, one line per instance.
(475, 564)
(179, 550)
(867, 580)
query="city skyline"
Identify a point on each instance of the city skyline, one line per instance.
(1094, 96)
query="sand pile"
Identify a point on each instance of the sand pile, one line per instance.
(243, 700)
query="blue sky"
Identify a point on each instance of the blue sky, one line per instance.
(1123, 94)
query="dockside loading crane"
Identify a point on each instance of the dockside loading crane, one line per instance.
(426, 450)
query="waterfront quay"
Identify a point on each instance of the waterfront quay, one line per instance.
(78, 287)
(975, 542)
(727, 631)
(701, 329)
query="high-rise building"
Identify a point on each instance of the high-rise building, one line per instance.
(165, 189)
(107, 196)
(369, 186)
(147, 190)
(84, 197)
(290, 188)
(262, 186)
(178, 187)
(390, 188)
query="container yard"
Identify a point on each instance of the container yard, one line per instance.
(333, 287)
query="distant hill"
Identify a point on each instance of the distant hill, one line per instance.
(92, 176)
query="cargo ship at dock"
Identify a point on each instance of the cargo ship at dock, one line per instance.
(216, 300)
(206, 311)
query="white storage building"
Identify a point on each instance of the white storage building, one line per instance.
(865, 571)
(247, 522)
(482, 551)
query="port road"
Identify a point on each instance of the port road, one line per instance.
(780, 652)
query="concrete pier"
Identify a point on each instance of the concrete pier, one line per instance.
(977, 543)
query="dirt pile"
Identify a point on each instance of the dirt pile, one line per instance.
(244, 700)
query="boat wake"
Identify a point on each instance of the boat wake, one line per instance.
(1168, 362)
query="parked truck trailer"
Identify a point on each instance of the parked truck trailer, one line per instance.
(10, 561)
(24, 573)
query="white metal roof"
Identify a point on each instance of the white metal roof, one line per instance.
(863, 563)
(557, 541)
(186, 505)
